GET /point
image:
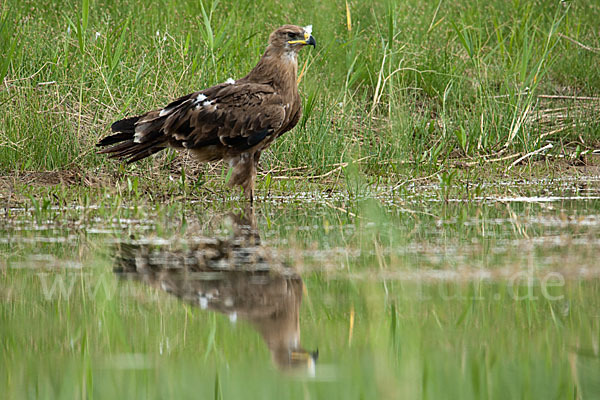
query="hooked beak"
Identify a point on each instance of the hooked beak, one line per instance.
(309, 40)
(304, 355)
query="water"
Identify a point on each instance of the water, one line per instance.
(418, 292)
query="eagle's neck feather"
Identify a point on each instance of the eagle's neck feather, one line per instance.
(278, 67)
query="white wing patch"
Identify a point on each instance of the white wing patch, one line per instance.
(199, 98)
(230, 81)
(167, 110)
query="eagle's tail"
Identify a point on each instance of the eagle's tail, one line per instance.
(133, 141)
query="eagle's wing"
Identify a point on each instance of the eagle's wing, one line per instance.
(234, 115)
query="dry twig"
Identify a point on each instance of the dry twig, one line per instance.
(342, 210)
(583, 46)
(530, 154)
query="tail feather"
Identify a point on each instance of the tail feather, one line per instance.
(144, 154)
(129, 149)
(126, 125)
(125, 144)
(112, 139)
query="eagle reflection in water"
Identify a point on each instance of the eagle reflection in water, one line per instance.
(237, 277)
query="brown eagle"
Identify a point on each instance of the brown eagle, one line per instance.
(234, 276)
(233, 121)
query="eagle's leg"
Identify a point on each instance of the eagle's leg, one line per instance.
(244, 167)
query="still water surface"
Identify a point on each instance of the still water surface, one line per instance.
(413, 293)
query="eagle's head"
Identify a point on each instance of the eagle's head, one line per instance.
(292, 37)
(296, 361)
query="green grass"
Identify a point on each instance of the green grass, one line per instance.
(406, 81)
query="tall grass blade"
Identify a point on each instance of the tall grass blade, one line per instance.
(118, 51)
(8, 47)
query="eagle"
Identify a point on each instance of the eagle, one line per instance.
(234, 276)
(234, 121)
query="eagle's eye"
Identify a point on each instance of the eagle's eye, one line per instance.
(291, 35)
